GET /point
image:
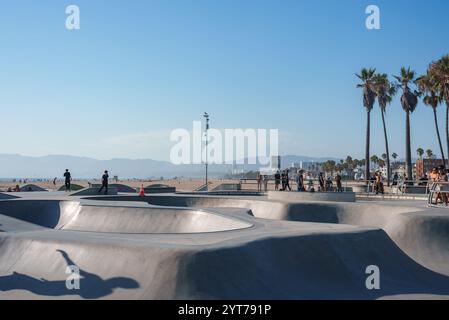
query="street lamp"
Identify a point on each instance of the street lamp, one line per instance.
(206, 116)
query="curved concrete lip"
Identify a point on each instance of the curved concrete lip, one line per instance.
(119, 217)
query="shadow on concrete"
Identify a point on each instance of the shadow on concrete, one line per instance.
(91, 286)
(318, 266)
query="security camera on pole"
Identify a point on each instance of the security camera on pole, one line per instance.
(206, 116)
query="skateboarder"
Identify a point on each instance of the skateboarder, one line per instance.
(104, 182)
(68, 179)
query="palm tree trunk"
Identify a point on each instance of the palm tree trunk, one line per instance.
(408, 152)
(447, 126)
(438, 135)
(386, 147)
(367, 146)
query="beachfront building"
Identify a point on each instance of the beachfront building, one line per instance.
(423, 166)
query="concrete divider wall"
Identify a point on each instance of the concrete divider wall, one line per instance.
(312, 196)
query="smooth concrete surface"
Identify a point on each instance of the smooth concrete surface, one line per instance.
(94, 191)
(123, 188)
(31, 187)
(311, 196)
(5, 195)
(167, 246)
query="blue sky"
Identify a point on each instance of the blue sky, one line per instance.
(138, 69)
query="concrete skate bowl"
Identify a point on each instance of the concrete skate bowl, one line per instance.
(122, 218)
(6, 196)
(285, 266)
(422, 233)
(32, 188)
(315, 266)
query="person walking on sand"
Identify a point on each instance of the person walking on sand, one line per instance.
(104, 182)
(68, 179)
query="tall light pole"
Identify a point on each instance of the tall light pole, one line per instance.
(206, 116)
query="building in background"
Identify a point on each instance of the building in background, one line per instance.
(423, 166)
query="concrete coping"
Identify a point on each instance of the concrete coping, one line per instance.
(292, 196)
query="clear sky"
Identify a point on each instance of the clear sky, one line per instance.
(138, 69)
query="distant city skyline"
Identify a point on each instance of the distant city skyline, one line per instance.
(135, 71)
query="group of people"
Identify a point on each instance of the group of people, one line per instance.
(378, 184)
(68, 181)
(282, 182)
(15, 189)
(439, 174)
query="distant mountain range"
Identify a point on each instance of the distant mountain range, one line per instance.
(18, 166)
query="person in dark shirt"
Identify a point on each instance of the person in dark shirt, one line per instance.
(277, 180)
(338, 181)
(300, 181)
(321, 182)
(287, 181)
(104, 182)
(68, 179)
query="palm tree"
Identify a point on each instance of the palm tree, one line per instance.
(409, 101)
(420, 152)
(429, 154)
(394, 155)
(439, 70)
(374, 159)
(428, 85)
(369, 96)
(385, 92)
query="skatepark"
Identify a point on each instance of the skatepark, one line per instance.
(231, 246)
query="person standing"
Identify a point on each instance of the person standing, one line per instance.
(379, 187)
(68, 179)
(283, 180)
(265, 183)
(277, 180)
(338, 181)
(321, 182)
(287, 181)
(259, 181)
(104, 182)
(300, 181)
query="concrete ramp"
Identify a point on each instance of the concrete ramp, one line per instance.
(421, 232)
(31, 188)
(310, 264)
(120, 218)
(94, 192)
(6, 196)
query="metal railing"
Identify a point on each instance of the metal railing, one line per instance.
(307, 184)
